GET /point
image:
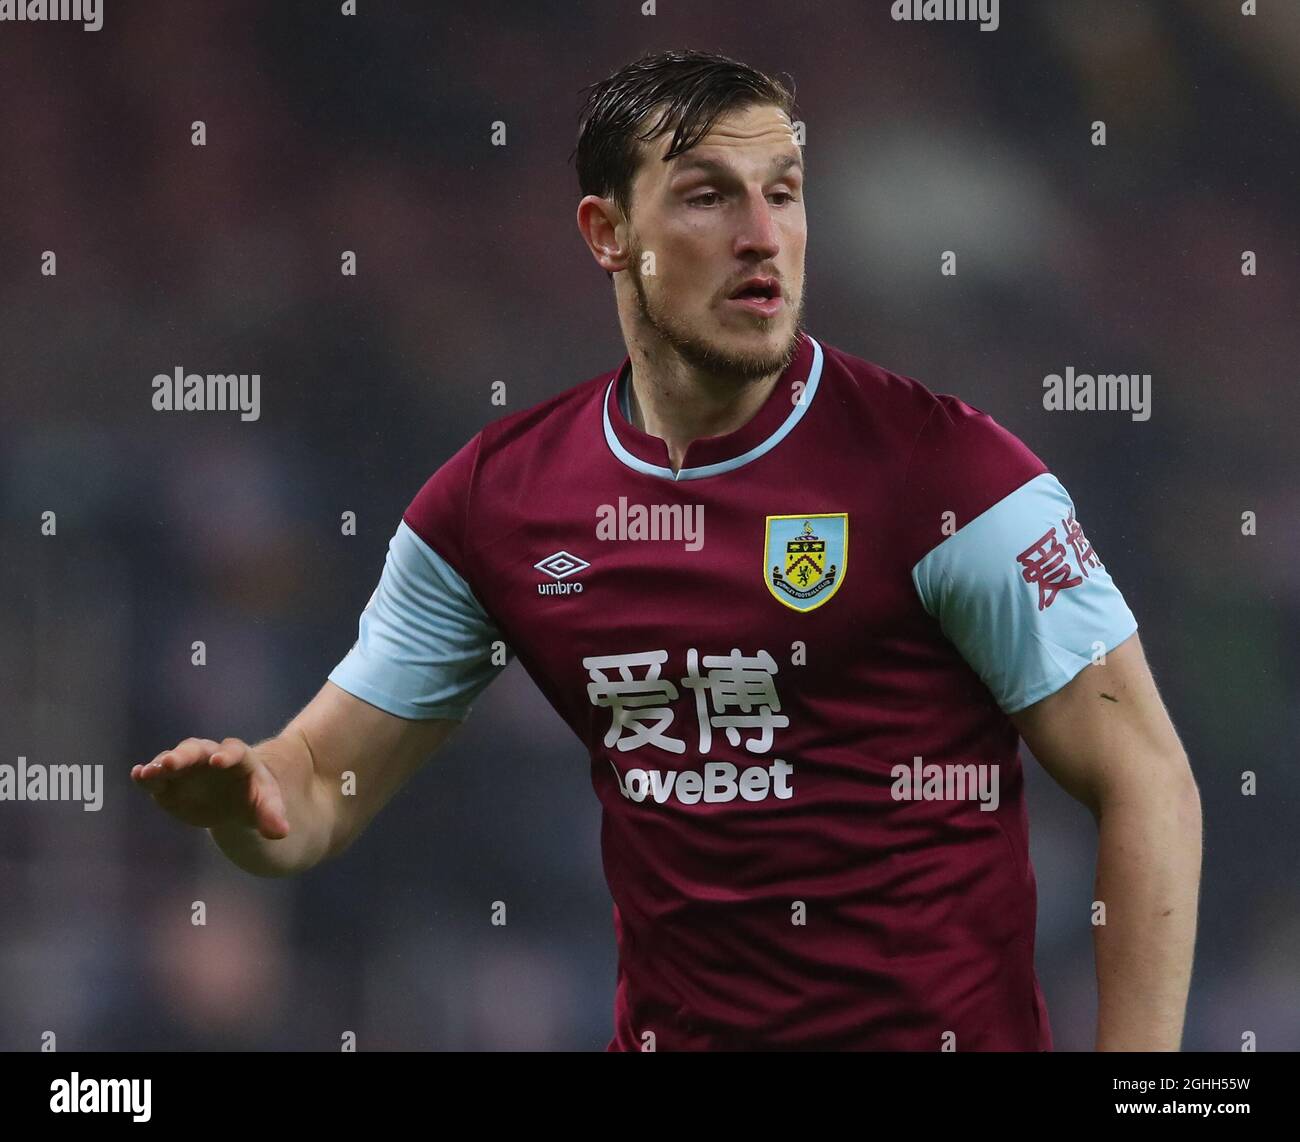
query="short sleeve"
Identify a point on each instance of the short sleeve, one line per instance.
(1023, 595)
(425, 643)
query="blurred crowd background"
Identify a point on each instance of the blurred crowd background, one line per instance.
(371, 133)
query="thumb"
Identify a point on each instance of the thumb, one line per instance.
(267, 804)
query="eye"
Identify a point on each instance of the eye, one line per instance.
(783, 194)
(706, 194)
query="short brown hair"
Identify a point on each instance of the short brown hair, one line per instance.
(692, 89)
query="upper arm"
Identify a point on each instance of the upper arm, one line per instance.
(425, 646)
(1024, 597)
(425, 649)
(1107, 732)
(1013, 582)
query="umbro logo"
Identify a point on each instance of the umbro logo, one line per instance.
(560, 566)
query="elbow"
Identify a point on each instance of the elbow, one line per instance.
(1189, 802)
(1181, 789)
(1161, 786)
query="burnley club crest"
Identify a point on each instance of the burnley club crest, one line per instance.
(804, 558)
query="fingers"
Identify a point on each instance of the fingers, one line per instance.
(191, 751)
(187, 755)
(264, 804)
(232, 754)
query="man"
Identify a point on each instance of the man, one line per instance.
(799, 609)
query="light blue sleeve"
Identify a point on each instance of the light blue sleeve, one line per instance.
(424, 645)
(1022, 595)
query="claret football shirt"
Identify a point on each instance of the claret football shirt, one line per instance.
(791, 663)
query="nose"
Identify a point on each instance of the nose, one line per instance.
(757, 236)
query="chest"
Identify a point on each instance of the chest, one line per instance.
(698, 614)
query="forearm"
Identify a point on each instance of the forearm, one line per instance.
(309, 809)
(1148, 876)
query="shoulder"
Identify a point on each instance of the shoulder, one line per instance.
(963, 453)
(938, 429)
(545, 422)
(940, 453)
(499, 456)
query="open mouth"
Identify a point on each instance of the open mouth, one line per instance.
(762, 289)
(759, 295)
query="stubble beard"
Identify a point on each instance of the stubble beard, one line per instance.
(709, 356)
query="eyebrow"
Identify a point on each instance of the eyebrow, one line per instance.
(780, 165)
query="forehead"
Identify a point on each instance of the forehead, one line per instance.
(754, 134)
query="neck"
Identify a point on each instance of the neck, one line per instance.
(679, 403)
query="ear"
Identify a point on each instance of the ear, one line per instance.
(603, 228)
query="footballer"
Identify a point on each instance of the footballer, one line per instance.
(803, 728)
